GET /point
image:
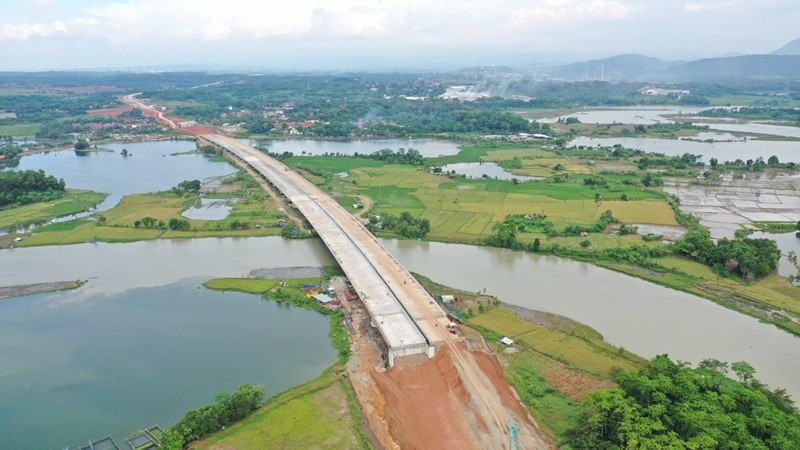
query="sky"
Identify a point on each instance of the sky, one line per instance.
(380, 34)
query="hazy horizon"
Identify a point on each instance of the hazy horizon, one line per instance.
(380, 35)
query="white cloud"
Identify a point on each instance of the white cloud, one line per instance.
(432, 21)
(388, 30)
(25, 31)
(707, 6)
(554, 13)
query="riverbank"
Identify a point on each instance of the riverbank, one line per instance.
(38, 288)
(320, 413)
(549, 379)
(74, 201)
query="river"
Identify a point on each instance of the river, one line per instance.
(649, 115)
(642, 317)
(786, 151)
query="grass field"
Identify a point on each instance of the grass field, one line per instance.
(318, 419)
(591, 356)
(246, 285)
(347, 203)
(22, 130)
(73, 202)
(465, 210)
(253, 208)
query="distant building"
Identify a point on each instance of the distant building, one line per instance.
(187, 124)
(506, 341)
(664, 92)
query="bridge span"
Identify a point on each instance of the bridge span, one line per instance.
(407, 317)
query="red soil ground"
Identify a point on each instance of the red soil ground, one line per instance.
(111, 112)
(423, 404)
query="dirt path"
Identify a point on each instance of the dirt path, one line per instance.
(368, 203)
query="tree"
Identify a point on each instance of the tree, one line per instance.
(714, 162)
(178, 224)
(585, 243)
(124, 152)
(82, 144)
(148, 222)
(773, 161)
(744, 371)
(650, 180)
(537, 245)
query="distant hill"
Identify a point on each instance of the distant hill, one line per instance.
(750, 66)
(792, 48)
(646, 69)
(629, 67)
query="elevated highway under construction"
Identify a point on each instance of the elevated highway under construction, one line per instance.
(408, 319)
(455, 397)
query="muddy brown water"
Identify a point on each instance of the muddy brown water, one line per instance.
(642, 317)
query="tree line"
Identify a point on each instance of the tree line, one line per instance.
(227, 409)
(29, 186)
(672, 405)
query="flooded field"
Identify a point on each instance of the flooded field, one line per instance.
(724, 208)
(489, 169)
(210, 209)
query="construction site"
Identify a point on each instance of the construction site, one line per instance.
(418, 384)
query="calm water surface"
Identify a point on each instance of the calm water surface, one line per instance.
(643, 115)
(78, 365)
(643, 317)
(150, 169)
(724, 151)
(490, 169)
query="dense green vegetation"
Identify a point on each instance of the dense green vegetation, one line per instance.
(29, 186)
(226, 409)
(749, 258)
(404, 225)
(671, 405)
(10, 156)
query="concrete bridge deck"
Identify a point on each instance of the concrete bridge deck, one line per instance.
(403, 312)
